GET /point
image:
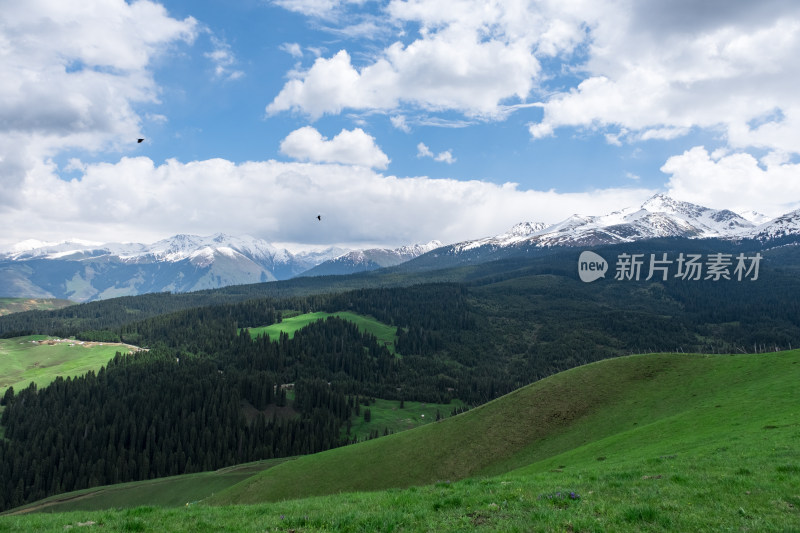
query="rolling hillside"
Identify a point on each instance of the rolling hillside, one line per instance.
(657, 442)
(639, 397)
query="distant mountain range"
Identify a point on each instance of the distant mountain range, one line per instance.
(84, 271)
(658, 217)
(371, 259)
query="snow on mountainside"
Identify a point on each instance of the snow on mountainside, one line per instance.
(83, 271)
(520, 232)
(783, 226)
(174, 249)
(75, 249)
(755, 217)
(197, 248)
(659, 216)
(371, 259)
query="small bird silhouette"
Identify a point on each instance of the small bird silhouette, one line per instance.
(139, 140)
(319, 217)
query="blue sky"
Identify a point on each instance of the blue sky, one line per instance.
(400, 121)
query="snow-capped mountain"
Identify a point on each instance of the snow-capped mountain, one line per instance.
(82, 270)
(658, 217)
(520, 232)
(371, 259)
(787, 225)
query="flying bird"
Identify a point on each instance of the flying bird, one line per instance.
(319, 217)
(139, 140)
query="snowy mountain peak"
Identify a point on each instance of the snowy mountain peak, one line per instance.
(754, 216)
(418, 249)
(661, 203)
(783, 226)
(526, 228)
(659, 216)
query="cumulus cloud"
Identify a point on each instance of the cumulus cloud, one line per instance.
(656, 71)
(349, 147)
(72, 73)
(279, 201)
(471, 56)
(736, 181)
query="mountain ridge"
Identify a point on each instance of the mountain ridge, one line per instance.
(83, 270)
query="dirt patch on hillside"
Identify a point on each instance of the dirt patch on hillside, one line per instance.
(89, 344)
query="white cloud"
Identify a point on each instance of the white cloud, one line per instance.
(279, 201)
(312, 8)
(445, 157)
(657, 70)
(323, 9)
(423, 151)
(223, 58)
(442, 157)
(399, 122)
(735, 181)
(293, 49)
(472, 56)
(71, 74)
(349, 147)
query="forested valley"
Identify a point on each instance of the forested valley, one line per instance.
(206, 394)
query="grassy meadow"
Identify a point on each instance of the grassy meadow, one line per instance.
(40, 359)
(385, 333)
(661, 442)
(387, 414)
(17, 305)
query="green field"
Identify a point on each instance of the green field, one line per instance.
(176, 491)
(642, 443)
(17, 305)
(387, 414)
(386, 334)
(39, 359)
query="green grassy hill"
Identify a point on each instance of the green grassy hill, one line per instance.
(659, 442)
(605, 409)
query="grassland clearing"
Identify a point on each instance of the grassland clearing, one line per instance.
(386, 334)
(18, 305)
(388, 415)
(40, 359)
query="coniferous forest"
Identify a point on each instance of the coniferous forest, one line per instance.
(205, 394)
